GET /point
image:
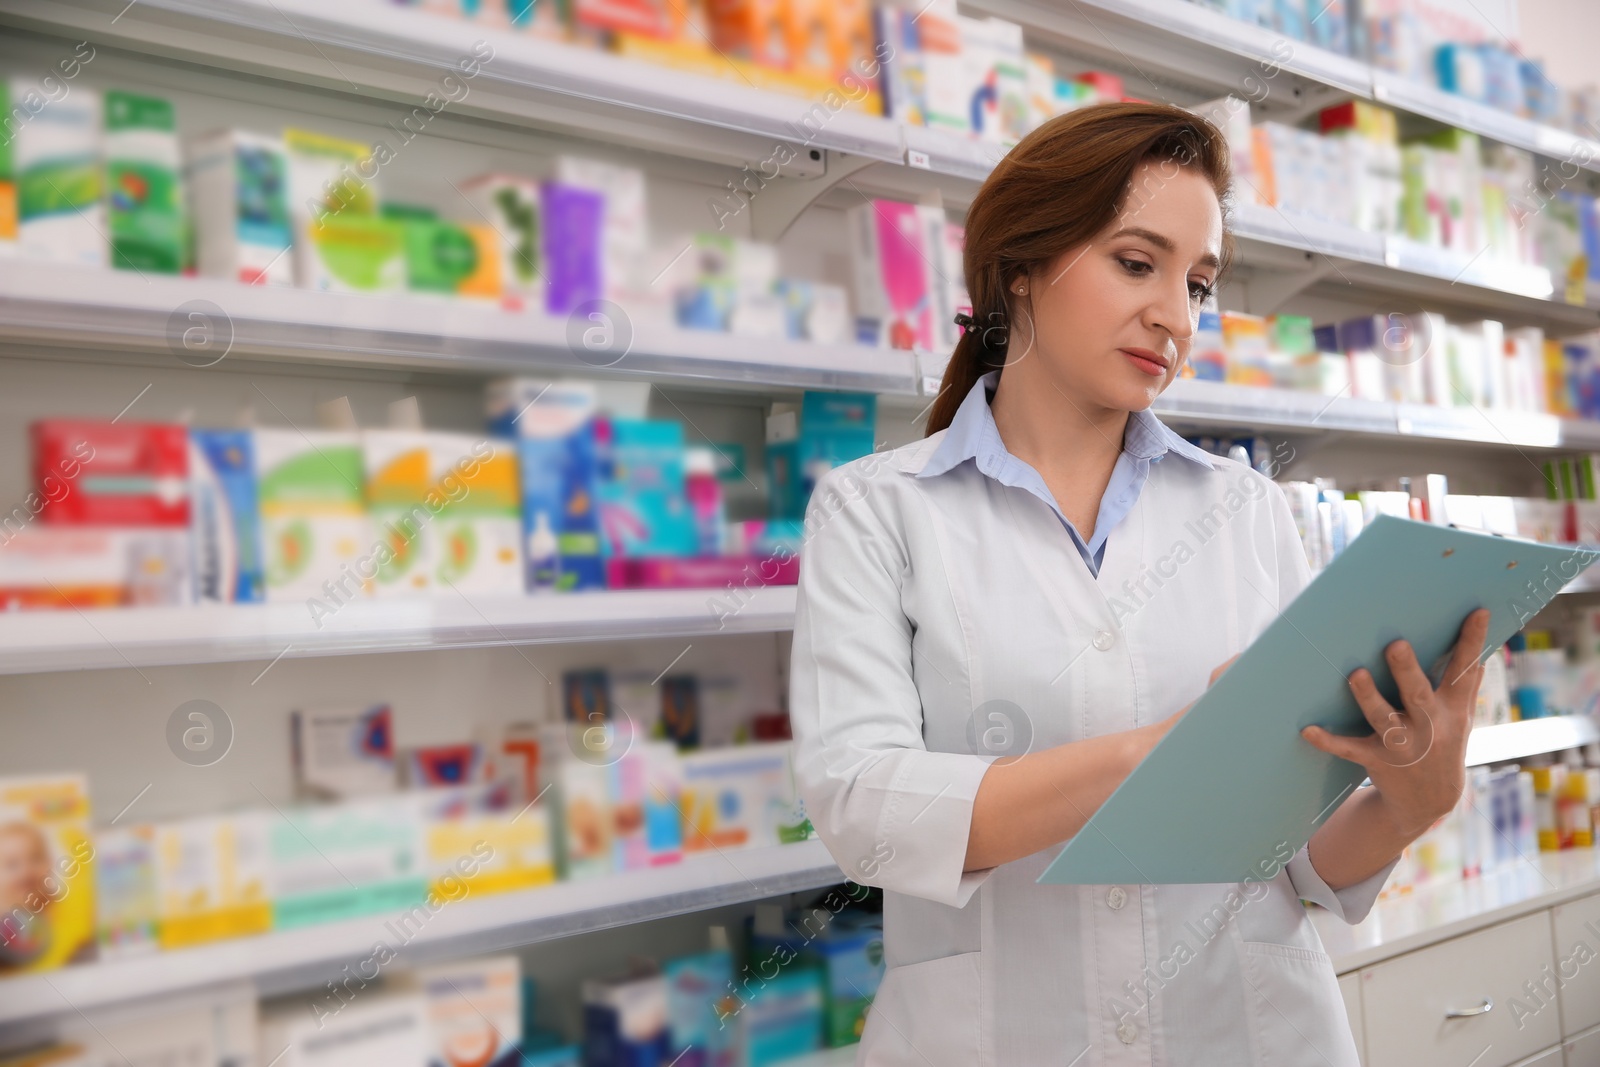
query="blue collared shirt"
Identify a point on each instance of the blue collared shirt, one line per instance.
(973, 435)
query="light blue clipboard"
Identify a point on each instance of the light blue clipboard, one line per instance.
(1233, 783)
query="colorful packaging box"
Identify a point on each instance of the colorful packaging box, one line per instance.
(554, 427)
(47, 907)
(680, 710)
(515, 759)
(340, 242)
(225, 526)
(133, 474)
(126, 904)
(653, 18)
(625, 1021)
(889, 259)
(313, 519)
(946, 274)
(993, 82)
(737, 797)
(572, 254)
(625, 229)
(239, 188)
(700, 572)
(701, 1009)
(61, 211)
(782, 1019)
(8, 181)
(511, 205)
(452, 258)
(903, 71)
(213, 878)
(645, 784)
(477, 536)
(343, 752)
(399, 476)
(762, 31)
(829, 429)
(144, 188)
(54, 566)
(432, 766)
(343, 861)
(945, 94)
(587, 823)
(849, 956)
(643, 509)
(474, 1012)
(474, 850)
(373, 1027)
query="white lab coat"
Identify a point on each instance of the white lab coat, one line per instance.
(923, 601)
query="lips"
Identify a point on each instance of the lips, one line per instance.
(1146, 360)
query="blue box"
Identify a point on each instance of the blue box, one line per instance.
(223, 517)
(558, 481)
(835, 428)
(644, 510)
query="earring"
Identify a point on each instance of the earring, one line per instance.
(1022, 290)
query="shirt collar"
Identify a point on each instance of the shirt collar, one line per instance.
(973, 435)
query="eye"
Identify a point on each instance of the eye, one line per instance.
(1135, 266)
(1200, 292)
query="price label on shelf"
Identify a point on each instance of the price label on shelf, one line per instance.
(918, 158)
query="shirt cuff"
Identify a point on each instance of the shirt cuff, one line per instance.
(1352, 903)
(928, 823)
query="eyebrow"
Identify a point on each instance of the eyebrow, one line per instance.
(1164, 243)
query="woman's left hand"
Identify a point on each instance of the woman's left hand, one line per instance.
(1417, 758)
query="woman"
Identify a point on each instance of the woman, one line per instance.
(997, 622)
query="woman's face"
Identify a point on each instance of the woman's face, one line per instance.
(1115, 317)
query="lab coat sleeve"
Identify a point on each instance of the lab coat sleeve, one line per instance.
(1294, 573)
(892, 813)
(1350, 903)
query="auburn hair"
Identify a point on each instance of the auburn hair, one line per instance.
(1059, 187)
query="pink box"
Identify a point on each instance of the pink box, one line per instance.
(699, 572)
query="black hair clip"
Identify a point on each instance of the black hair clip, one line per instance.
(965, 321)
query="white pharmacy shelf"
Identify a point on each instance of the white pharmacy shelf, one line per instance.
(386, 51)
(372, 48)
(1397, 265)
(1530, 737)
(1191, 402)
(1429, 914)
(1187, 43)
(202, 321)
(288, 960)
(35, 641)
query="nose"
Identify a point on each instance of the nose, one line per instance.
(1173, 312)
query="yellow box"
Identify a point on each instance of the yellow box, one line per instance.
(46, 873)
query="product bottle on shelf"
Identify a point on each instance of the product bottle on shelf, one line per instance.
(705, 500)
(543, 555)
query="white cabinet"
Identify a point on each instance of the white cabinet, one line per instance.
(1577, 963)
(1451, 1002)
(1350, 987)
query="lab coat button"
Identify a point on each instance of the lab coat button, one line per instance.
(1127, 1032)
(1116, 897)
(1104, 639)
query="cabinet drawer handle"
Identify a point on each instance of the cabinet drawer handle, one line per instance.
(1462, 1013)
